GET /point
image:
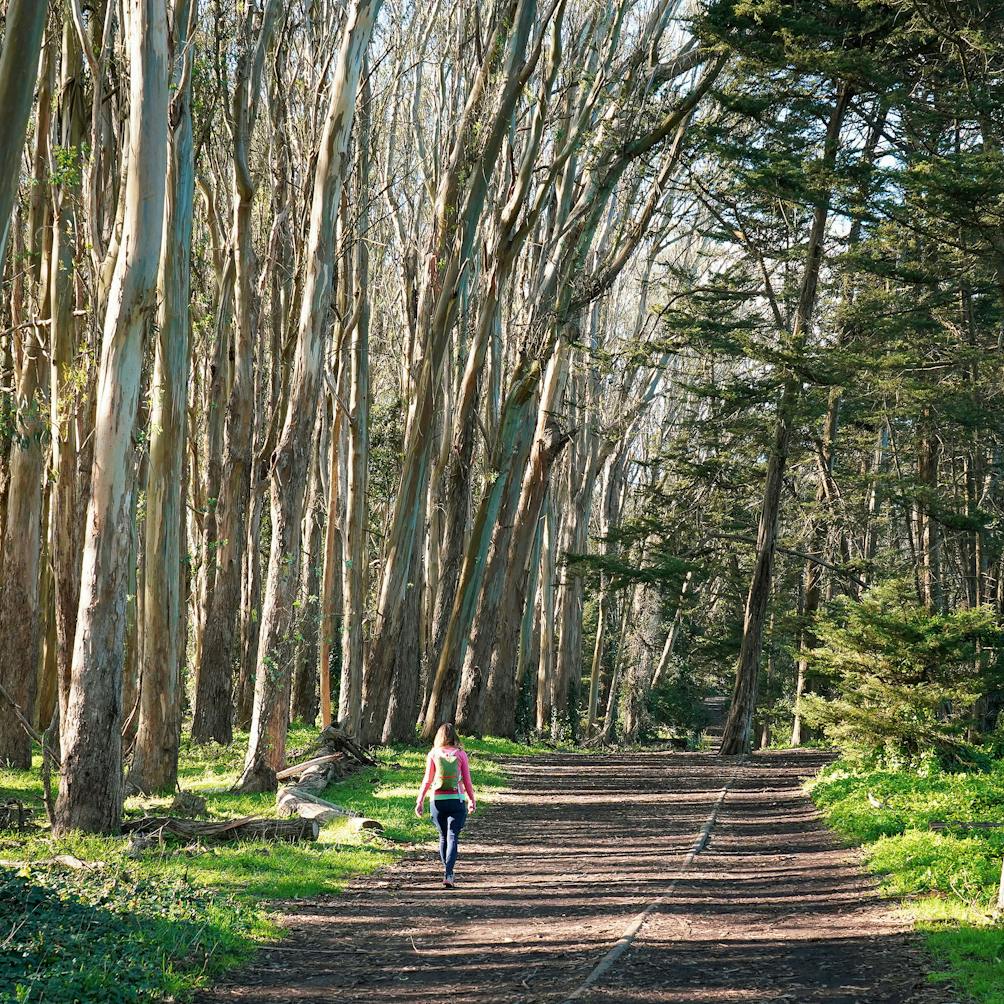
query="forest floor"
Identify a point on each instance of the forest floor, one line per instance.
(773, 909)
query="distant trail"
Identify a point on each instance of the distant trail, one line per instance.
(555, 873)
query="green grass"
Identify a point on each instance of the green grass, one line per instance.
(948, 879)
(130, 929)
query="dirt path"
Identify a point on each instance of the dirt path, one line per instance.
(772, 910)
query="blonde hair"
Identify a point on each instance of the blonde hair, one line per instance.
(446, 735)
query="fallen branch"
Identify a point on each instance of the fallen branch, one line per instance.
(245, 828)
(26, 725)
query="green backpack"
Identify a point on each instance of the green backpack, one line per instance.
(447, 771)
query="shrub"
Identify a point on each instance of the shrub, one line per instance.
(904, 680)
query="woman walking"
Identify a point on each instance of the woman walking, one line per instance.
(446, 768)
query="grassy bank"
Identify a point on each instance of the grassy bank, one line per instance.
(159, 924)
(949, 880)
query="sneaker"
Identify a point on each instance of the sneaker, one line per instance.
(448, 882)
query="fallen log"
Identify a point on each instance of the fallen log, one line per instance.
(63, 860)
(245, 828)
(300, 768)
(334, 756)
(294, 801)
(959, 824)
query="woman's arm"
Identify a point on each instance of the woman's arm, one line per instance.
(465, 774)
(426, 781)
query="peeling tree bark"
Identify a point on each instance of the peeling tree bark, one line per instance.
(155, 754)
(90, 796)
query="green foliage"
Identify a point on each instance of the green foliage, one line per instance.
(677, 701)
(905, 680)
(950, 877)
(77, 937)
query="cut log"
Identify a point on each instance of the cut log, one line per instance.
(362, 823)
(245, 828)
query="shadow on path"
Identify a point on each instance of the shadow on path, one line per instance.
(549, 879)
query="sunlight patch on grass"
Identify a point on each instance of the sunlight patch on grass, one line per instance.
(948, 880)
(182, 915)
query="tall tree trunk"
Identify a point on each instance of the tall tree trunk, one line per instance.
(71, 476)
(304, 699)
(219, 382)
(349, 699)
(155, 754)
(932, 590)
(244, 691)
(812, 573)
(213, 717)
(21, 542)
(739, 722)
(609, 519)
(628, 612)
(18, 69)
(459, 205)
(483, 557)
(498, 716)
(267, 746)
(402, 709)
(355, 559)
(90, 796)
(582, 472)
(545, 663)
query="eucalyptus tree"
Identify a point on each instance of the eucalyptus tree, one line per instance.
(69, 394)
(155, 755)
(90, 795)
(581, 189)
(20, 532)
(213, 709)
(508, 60)
(270, 715)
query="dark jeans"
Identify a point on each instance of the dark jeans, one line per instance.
(449, 815)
